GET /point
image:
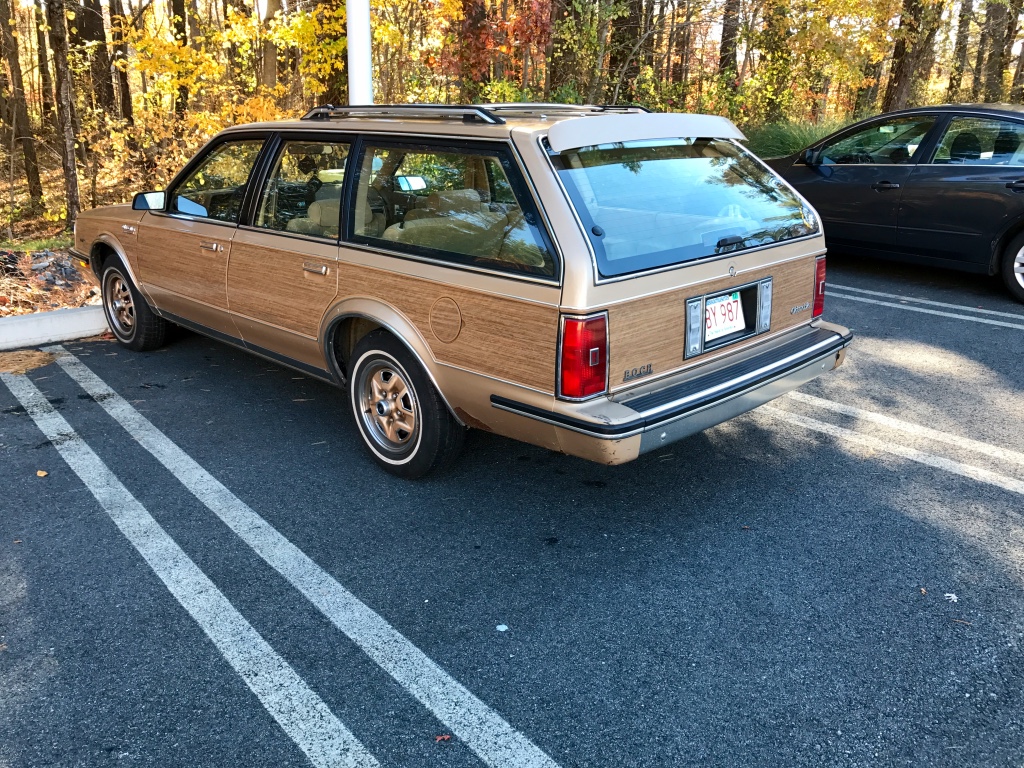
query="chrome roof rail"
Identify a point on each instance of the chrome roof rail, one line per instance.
(531, 108)
(468, 113)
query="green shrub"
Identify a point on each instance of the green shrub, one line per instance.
(781, 139)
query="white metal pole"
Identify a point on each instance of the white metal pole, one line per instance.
(360, 63)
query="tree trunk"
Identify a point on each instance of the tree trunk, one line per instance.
(45, 80)
(268, 75)
(963, 33)
(868, 92)
(22, 129)
(178, 27)
(979, 63)
(118, 23)
(1017, 89)
(995, 64)
(727, 62)
(627, 32)
(65, 105)
(901, 73)
(93, 31)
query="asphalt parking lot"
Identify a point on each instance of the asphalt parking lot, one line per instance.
(226, 579)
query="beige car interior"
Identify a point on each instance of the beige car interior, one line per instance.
(463, 221)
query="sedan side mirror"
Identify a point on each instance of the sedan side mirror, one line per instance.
(809, 156)
(149, 201)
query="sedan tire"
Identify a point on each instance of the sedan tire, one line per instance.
(1013, 268)
(132, 322)
(402, 419)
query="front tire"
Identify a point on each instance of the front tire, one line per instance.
(129, 317)
(402, 419)
(1013, 268)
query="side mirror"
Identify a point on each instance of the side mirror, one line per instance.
(149, 201)
(809, 156)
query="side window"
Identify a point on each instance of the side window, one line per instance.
(889, 142)
(981, 141)
(464, 207)
(303, 193)
(214, 190)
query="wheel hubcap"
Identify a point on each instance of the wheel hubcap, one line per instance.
(388, 406)
(1018, 267)
(120, 307)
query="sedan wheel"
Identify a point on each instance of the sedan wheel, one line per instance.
(1013, 268)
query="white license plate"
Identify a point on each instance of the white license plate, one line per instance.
(723, 315)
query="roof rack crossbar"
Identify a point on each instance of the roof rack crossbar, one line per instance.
(468, 113)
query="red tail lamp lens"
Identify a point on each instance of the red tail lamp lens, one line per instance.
(819, 286)
(584, 356)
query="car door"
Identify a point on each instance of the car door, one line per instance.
(184, 250)
(282, 275)
(854, 179)
(956, 205)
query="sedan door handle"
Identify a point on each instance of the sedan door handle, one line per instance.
(316, 269)
(215, 247)
(1016, 186)
(885, 185)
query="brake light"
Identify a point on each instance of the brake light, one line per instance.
(819, 286)
(584, 356)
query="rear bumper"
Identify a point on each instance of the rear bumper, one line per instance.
(620, 428)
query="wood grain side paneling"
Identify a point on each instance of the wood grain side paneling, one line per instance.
(652, 330)
(171, 257)
(502, 337)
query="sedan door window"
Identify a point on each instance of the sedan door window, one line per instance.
(890, 142)
(216, 187)
(981, 141)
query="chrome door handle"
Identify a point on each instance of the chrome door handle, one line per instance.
(215, 247)
(885, 185)
(128, 229)
(316, 269)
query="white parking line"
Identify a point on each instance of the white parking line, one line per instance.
(963, 307)
(985, 320)
(484, 731)
(301, 713)
(917, 430)
(980, 474)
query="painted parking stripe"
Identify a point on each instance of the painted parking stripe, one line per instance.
(970, 471)
(484, 731)
(922, 310)
(301, 713)
(929, 302)
(1003, 454)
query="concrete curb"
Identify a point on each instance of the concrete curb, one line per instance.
(48, 327)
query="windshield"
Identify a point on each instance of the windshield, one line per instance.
(648, 204)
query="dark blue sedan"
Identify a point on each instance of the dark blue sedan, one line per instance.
(932, 185)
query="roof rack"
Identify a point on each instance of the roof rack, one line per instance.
(540, 108)
(468, 113)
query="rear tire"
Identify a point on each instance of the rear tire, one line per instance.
(402, 419)
(129, 317)
(1013, 268)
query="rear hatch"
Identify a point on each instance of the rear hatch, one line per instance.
(699, 252)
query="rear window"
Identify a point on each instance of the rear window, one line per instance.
(649, 204)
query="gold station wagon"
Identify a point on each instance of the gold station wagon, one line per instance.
(597, 281)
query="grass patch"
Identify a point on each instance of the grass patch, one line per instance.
(781, 139)
(53, 243)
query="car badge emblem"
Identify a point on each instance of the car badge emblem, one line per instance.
(732, 271)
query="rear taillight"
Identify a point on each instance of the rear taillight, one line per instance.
(583, 364)
(819, 286)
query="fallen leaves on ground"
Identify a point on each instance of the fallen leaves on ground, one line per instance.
(42, 473)
(442, 737)
(951, 597)
(23, 361)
